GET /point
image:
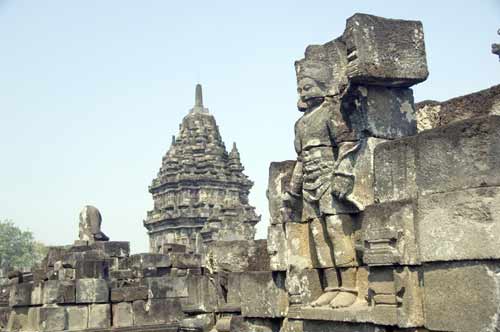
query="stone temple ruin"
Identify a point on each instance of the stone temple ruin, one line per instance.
(387, 220)
(200, 194)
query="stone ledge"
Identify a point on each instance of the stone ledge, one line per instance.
(148, 328)
(384, 315)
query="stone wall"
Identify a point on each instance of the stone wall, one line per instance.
(432, 114)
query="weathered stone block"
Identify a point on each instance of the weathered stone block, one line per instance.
(123, 315)
(224, 324)
(56, 291)
(230, 256)
(33, 323)
(201, 295)
(432, 114)
(463, 155)
(184, 260)
(36, 294)
(395, 170)
(280, 174)
(318, 326)
(409, 292)
(263, 294)
(39, 275)
(380, 282)
(151, 272)
(148, 260)
(303, 286)
(172, 247)
(20, 295)
(460, 225)
(54, 254)
(120, 274)
(276, 247)
(69, 259)
(18, 319)
(385, 51)
(166, 287)
(462, 296)
(424, 162)
(228, 292)
(199, 322)
(99, 316)
(92, 269)
(362, 193)
(242, 324)
(157, 311)
(66, 274)
(292, 325)
(78, 317)
(129, 294)
(258, 257)
(27, 276)
(386, 113)
(388, 234)
(4, 317)
(52, 319)
(92, 291)
(113, 248)
(299, 246)
(397, 289)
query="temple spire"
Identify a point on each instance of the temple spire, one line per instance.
(234, 160)
(198, 101)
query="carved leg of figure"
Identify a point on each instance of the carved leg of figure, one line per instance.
(324, 256)
(331, 290)
(348, 292)
(340, 230)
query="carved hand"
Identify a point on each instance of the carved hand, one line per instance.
(290, 204)
(342, 186)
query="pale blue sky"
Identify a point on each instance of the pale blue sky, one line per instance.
(92, 91)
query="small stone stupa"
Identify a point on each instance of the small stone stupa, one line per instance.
(201, 193)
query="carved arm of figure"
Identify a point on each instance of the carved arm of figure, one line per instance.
(345, 147)
(293, 196)
(292, 200)
(343, 175)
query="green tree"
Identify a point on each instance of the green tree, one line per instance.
(18, 249)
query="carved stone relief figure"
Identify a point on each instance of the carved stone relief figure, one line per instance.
(323, 175)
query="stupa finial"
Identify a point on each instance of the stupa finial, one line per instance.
(198, 101)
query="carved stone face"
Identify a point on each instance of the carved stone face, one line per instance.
(321, 73)
(312, 78)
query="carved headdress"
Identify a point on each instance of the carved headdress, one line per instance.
(326, 66)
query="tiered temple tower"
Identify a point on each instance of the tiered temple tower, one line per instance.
(200, 193)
